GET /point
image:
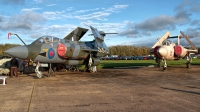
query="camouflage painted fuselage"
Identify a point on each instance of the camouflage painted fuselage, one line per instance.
(73, 53)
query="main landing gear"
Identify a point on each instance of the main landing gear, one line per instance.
(89, 65)
(39, 73)
(51, 72)
(189, 60)
(158, 60)
(165, 65)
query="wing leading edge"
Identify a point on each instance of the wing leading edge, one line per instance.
(76, 34)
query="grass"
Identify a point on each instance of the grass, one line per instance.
(126, 63)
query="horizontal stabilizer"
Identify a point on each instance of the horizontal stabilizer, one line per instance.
(76, 34)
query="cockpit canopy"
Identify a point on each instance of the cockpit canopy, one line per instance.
(46, 39)
(166, 42)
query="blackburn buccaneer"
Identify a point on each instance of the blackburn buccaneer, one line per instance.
(68, 51)
(164, 50)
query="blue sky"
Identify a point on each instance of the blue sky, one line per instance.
(138, 22)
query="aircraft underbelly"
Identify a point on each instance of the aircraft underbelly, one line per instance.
(47, 60)
(74, 62)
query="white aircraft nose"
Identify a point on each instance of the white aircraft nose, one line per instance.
(162, 52)
(18, 52)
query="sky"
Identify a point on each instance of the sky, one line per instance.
(137, 22)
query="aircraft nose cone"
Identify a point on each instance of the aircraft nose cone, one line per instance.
(18, 52)
(162, 52)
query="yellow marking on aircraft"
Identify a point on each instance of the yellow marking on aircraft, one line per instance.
(45, 50)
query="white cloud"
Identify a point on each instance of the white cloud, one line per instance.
(99, 15)
(51, 5)
(88, 14)
(116, 8)
(84, 11)
(158, 23)
(39, 1)
(120, 6)
(95, 15)
(25, 21)
(56, 15)
(49, 13)
(30, 9)
(70, 8)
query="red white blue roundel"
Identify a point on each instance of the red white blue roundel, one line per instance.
(51, 53)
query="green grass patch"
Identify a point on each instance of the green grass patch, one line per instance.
(127, 63)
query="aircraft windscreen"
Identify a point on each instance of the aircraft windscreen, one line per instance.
(167, 42)
(51, 39)
(46, 39)
(56, 39)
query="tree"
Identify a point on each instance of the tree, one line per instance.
(125, 50)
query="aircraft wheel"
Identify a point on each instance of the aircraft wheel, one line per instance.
(91, 71)
(188, 65)
(27, 70)
(164, 68)
(51, 73)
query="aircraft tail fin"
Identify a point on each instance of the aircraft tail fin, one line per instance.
(99, 39)
(76, 34)
(98, 34)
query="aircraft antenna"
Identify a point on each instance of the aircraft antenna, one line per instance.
(86, 25)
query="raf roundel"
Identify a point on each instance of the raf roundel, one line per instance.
(51, 53)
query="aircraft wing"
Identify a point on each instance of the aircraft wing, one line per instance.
(186, 38)
(76, 34)
(164, 37)
(192, 51)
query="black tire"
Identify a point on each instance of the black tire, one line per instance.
(188, 65)
(164, 68)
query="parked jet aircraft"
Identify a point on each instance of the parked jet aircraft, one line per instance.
(167, 50)
(50, 49)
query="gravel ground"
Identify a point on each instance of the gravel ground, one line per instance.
(131, 89)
